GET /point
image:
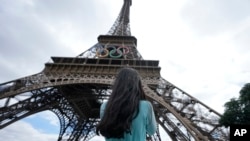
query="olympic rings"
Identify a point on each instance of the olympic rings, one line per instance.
(102, 53)
(115, 52)
(112, 51)
(125, 49)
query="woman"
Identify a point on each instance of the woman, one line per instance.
(127, 116)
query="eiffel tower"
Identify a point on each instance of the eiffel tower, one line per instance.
(74, 88)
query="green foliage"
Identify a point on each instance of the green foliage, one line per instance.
(237, 111)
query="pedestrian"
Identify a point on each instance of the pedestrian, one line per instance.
(127, 115)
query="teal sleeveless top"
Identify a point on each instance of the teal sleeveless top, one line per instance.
(142, 125)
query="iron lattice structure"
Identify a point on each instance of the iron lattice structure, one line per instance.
(74, 88)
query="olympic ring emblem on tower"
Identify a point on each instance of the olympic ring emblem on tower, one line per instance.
(112, 51)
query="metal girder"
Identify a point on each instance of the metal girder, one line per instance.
(76, 97)
(184, 115)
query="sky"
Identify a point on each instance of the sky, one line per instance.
(202, 46)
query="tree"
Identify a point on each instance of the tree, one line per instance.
(237, 110)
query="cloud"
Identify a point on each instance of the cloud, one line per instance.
(212, 17)
(23, 131)
(241, 36)
(33, 31)
(25, 34)
(43, 120)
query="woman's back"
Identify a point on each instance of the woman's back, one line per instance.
(144, 123)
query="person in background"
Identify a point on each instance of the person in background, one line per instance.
(127, 115)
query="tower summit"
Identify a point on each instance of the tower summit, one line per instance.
(121, 26)
(118, 43)
(73, 88)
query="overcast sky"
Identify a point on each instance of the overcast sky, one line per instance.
(203, 46)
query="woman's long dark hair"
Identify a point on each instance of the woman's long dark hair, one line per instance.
(123, 105)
